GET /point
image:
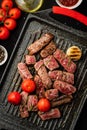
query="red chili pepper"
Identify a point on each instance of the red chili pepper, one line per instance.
(70, 13)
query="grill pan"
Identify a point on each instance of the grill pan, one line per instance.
(64, 37)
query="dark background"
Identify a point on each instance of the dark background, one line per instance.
(10, 44)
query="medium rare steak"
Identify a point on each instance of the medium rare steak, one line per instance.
(61, 75)
(65, 61)
(42, 72)
(48, 50)
(23, 71)
(40, 88)
(38, 64)
(53, 113)
(32, 102)
(64, 87)
(50, 62)
(40, 43)
(51, 94)
(30, 60)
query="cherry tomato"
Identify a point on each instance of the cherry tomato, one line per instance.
(10, 23)
(43, 105)
(6, 4)
(4, 33)
(14, 13)
(2, 14)
(14, 98)
(28, 85)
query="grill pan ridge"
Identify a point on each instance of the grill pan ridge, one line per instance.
(10, 119)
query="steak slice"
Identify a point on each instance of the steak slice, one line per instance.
(48, 50)
(38, 65)
(65, 61)
(32, 103)
(51, 94)
(23, 71)
(64, 87)
(53, 113)
(61, 75)
(42, 72)
(30, 60)
(50, 62)
(40, 88)
(40, 43)
(61, 100)
(23, 107)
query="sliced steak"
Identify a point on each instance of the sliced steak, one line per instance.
(48, 50)
(38, 65)
(64, 87)
(24, 97)
(23, 71)
(42, 72)
(40, 88)
(50, 62)
(23, 111)
(40, 43)
(61, 75)
(23, 107)
(65, 61)
(53, 113)
(30, 60)
(61, 100)
(51, 94)
(32, 103)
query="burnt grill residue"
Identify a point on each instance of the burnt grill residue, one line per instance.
(68, 2)
(2, 54)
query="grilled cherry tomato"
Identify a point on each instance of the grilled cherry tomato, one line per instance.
(4, 33)
(43, 105)
(7, 4)
(10, 23)
(28, 85)
(14, 98)
(14, 13)
(2, 14)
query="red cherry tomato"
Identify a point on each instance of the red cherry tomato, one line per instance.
(14, 98)
(43, 105)
(14, 13)
(2, 14)
(4, 33)
(7, 4)
(28, 85)
(10, 23)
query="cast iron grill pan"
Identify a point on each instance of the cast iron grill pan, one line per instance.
(10, 119)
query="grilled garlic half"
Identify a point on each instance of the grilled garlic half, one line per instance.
(74, 52)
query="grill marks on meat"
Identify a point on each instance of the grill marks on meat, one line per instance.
(42, 72)
(64, 87)
(48, 50)
(40, 88)
(65, 61)
(40, 43)
(53, 113)
(61, 100)
(32, 103)
(61, 75)
(51, 94)
(50, 62)
(23, 71)
(30, 60)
